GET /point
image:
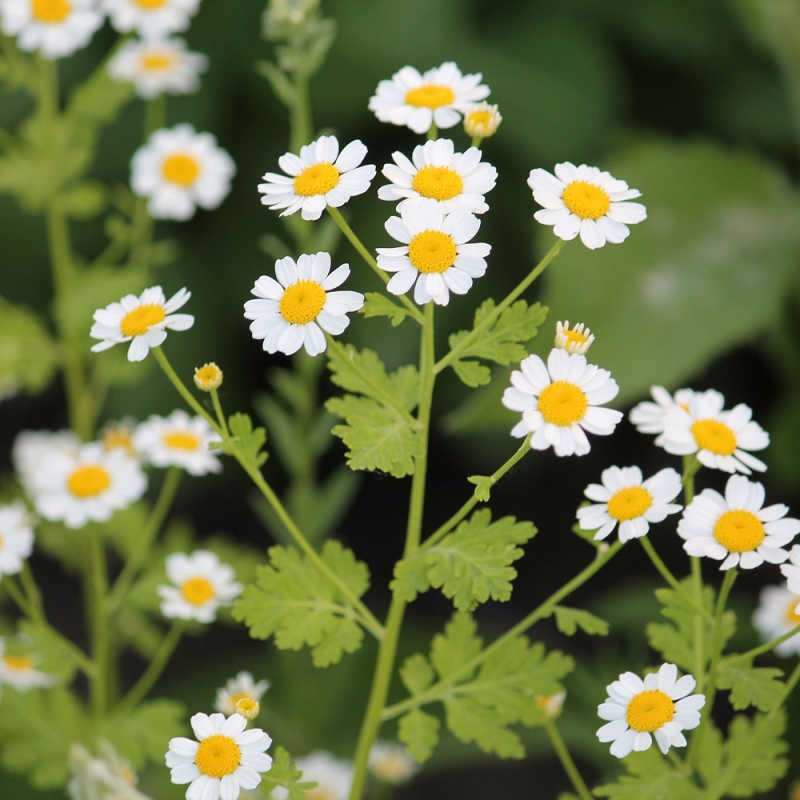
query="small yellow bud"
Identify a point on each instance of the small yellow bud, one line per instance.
(551, 704)
(482, 120)
(208, 377)
(248, 707)
(574, 340)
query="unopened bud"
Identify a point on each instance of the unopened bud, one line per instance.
(208, 377)
(248, 707)
(482, 120)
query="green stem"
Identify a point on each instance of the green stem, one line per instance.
(32, 590)
(98, 587)
(190, 399)
(164, 502)
(388, 648)
(433, 131)
(337, 217)
(489, 320)
(542, 611)
(690, 467)
(300, 124)
(462, 512)
(566, 759)
(476, 141)
(764, 648)
(158, 663)
(217, 406)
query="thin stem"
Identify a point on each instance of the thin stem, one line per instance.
(764, 648)
(337, 217)
(476, 141)
(190, 399)
(489, 320)
(433, 131)
(566, 759)
(32, 590)
(300, 123)
(462, 512)
(542, 611)
(394, 620)
(158, 663)
(223, 423)
(98, 586)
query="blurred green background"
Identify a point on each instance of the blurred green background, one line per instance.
(695, 104)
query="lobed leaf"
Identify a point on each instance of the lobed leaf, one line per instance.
(419, 732)
(761, 687)
(569, 620)
(28, 355)
(651, 776)
(250, 440)
(285, 773)
(379, 305)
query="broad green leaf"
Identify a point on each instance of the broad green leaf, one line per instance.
(470, 565)
(28, 355)
(379, 305)
(569, 620)
(651, 776)
(284, 773)
(249, 441)
(761, 687)
(419, 732)
(299, 605)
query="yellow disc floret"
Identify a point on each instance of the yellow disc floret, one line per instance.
(18, 663)
(430, 96)
(50, 11)
(218, 756)
(155, 60)
(302, 302)
(562, 403)
(88, 480)
(792, 617)
(649, 710)
(208, 377)
(629, 503)
(440, 183)
(247, 706)
(197, 591)
(180, 168)
(586, 200)
(150, 5)
(739, 531)
(714, 436)
(432, 251)
(141, 319)
(317, 179)
(181, 440)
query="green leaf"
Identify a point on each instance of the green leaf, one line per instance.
(28, 356)
(470, 565)
(419, 732)
(569, 620)
(84, 200)
(379, 305)
(709, 753)
(483, 487)
(761, 687)
(417, 673)
(97, 101)
(296, 603)
(457, 646)
(472, 373)
(284, 773)
(249, 441)
(651, 776)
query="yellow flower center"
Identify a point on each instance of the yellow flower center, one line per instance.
(88, 481)
(197, 591)
(430, 96)
(247, 707)
(629, 503)
(739, 531)
(649, 710)
(586, 200)
(118, 439)
(218, 756)
(208, 377)
(141, 319)
(155, 61)
(149, 5)
(316, 179)
(181, 440)
(50, 11)
(574, 338)
(714, 436)
(302, 302)
(432, 251)
(18, 663)
(562, 403)
(792, 617)
(479, 122)
(440, 183)
(180, 168)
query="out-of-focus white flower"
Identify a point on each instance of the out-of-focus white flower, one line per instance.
(241, 687)
(178, 441)
(150, 18)
(391, 763)
(649, 417)
(16, 538)
(777, 613)
(105, 776)
(552, 704)
(118, 435)
(333, 777)
(19, 671)
(33, 448)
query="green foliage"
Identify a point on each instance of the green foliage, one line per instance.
(651, 776)
(502, 342)
(569, 620)
(470, 565)
(379, 305)
(675, 640)
(481, 702)
(761, 687)
(284, 773)
(419, 732)
(298, 604)
(247, 440)
(28, 355)
(379, 432)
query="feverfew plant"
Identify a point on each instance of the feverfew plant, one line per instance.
(79, 714)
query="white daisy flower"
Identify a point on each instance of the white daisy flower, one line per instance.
(242, 687)
(16, 538)
(225, 758)
(90, 484)
(102, 777)
(481, 120)
(561, 400)
(178, 169)
(320, 176)
(457, 181)
(20, 672)
(293, 311)
(178, 441)
(721, 439)
(624, 499)
(436, 252)
(391, 763)
(32, 448)
(143, 321)
(333, 777)
(158, 66)
(659, 706)
(587, 202)
(201, 585)
(736, 529)
(574, 340)
(777, 613)
(649, 417)
(791, 571)
(54, 28)
(436, 97)
(150, 18)
(118, 435)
